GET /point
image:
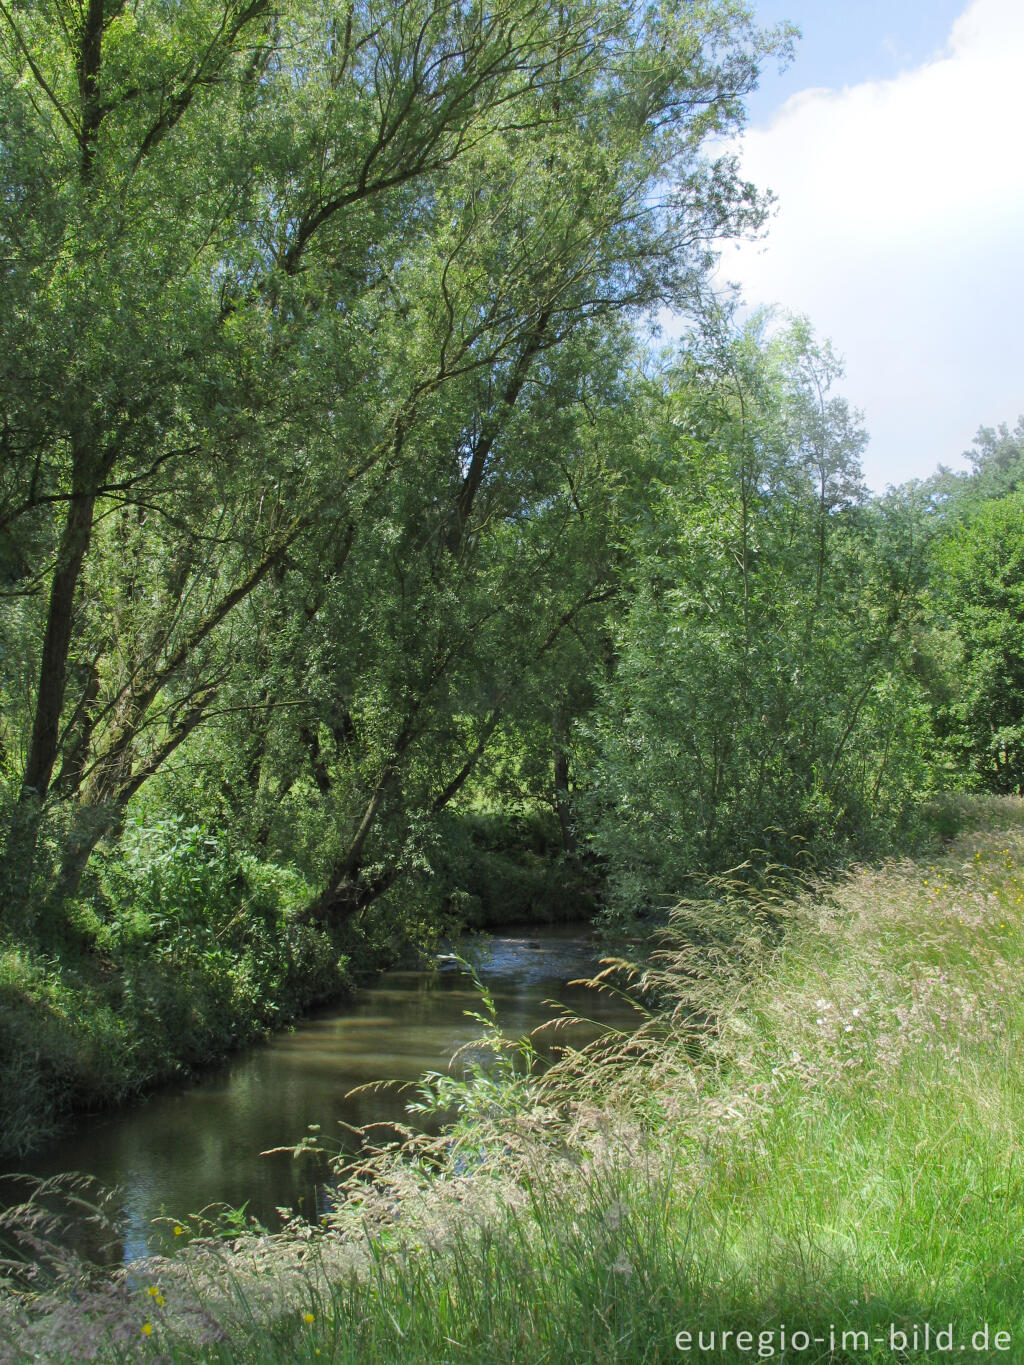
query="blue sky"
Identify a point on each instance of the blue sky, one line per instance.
(846, 43)
(895, 147)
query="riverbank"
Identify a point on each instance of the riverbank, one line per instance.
(178, 952)
(182, 952)
(842, 1157)
(82, 1031)
(319, 1075)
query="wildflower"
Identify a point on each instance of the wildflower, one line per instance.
(822, 1005)
(179, 1231)
(309, 1317)
(848, 1029)
(153, 1292)
(147, 1329)
(856, 1014)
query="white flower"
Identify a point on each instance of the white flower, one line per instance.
(822, 1005)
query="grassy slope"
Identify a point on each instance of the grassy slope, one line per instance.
(846, 1157)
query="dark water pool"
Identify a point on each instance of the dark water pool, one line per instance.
(199, 1144)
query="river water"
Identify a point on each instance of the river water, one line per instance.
(198, 1145)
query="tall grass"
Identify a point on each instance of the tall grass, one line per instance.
(841, 1155)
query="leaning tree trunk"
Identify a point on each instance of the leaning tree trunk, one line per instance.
(20, 853)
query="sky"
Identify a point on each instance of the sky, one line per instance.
(895, 147)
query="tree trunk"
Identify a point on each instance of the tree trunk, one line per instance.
(560, 764)
(74, 544)
(348, 898)
(92, 823)
(20, 854)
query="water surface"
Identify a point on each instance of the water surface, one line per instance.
(199, 1144)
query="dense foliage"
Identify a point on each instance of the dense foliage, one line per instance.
(310, 318)
(760, 695)
(361, 573)
(977, 616)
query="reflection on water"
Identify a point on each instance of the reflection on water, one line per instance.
(186, 1148)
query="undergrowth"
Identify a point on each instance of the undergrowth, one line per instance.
(180, 953)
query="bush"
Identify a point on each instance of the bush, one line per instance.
(501, 869)
(187, 952)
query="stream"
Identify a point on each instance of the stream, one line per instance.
(198, 1145)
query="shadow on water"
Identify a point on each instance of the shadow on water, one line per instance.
(199, 1144)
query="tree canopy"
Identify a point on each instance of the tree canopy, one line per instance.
(339, 492)
(308, 312)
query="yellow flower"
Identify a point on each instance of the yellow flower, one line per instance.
(159, 1301)
(179, 1231)
(147, 1329)
(309, 1317)
(153, 1292)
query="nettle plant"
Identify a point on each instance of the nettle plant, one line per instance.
(175, 875)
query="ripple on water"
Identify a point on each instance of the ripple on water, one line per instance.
(199, 1143)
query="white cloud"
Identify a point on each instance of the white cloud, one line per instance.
(900, 232)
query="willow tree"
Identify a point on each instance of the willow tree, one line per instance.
(761, 698)
(287, 290)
